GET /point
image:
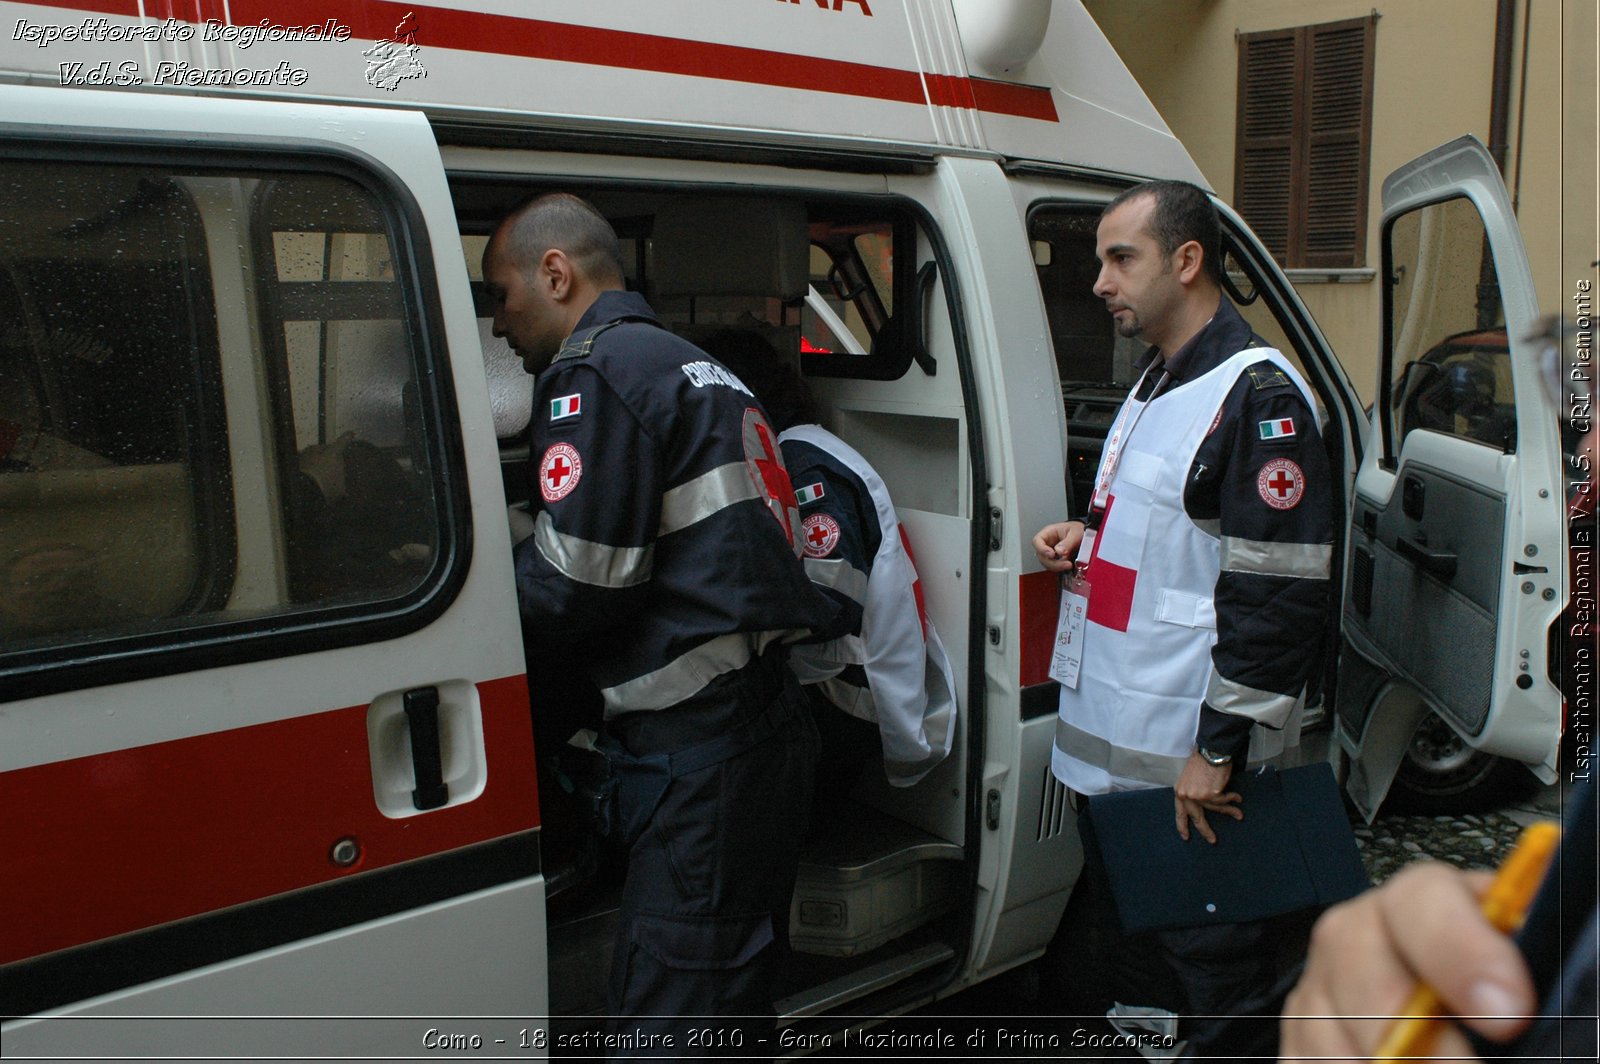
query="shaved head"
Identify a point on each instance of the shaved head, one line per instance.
(562, 220)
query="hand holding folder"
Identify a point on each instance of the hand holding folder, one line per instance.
(1292, 850)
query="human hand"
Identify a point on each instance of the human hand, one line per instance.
(1057, 544)
(1198, 791)
(1369, 954)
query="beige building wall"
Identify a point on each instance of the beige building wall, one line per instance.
(1433, 74)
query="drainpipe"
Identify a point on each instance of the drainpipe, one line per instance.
(1489, 309)
(1505, 22)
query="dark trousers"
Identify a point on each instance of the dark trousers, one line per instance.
(703, 926)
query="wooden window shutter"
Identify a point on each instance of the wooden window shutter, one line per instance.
(1303, 140)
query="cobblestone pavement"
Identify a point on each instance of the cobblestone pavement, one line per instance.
(1480, 840)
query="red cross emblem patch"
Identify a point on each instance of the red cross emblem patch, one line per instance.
(768, 474)
(559, 471)
(819, 536)
(1281, 484)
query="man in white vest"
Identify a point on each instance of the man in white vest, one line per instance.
(885, 685)
(1200, 570)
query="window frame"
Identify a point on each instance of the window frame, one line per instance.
(1389, 455)
(299, 629)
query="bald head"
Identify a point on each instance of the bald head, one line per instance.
(560, 220)
(546, 264)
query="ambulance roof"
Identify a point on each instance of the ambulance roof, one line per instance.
(1024, 79)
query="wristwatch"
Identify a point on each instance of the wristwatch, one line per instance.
(1212, 758)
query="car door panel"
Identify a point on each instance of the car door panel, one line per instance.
(1455, 569)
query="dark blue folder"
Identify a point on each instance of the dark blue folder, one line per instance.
(1293, 850)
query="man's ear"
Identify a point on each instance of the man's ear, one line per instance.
(555, 270)
(1189, 258)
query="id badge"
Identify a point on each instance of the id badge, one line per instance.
(1067, 656)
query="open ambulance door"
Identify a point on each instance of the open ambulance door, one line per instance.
(264, 725)
(1456, 568)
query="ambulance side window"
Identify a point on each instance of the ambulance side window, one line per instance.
(358, 508)
(211, 420)
(114, 487)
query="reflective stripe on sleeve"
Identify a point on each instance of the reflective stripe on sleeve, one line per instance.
(839, 575)
(588, 562)
(687, 674)
(708, 493)
(1263, 707)
(1159, 770)
(1310, 561)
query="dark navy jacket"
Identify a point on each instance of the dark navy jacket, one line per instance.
(663, 551)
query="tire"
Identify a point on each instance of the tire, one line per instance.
(1442, 775)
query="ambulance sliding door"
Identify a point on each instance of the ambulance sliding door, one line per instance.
(264, 743)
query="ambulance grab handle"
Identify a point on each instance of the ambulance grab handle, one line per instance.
(1438, 562)
(427, 764)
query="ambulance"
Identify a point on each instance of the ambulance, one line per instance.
(280, 776)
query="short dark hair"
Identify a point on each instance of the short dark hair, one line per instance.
(777, 385)
(1183, 213)
(562, 220)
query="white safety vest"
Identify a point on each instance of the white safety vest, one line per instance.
(911, 692)
(1130, 723)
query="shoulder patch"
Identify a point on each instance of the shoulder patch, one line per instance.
(765, 464)
(1266, 375)
(1278, 428)
(559, 471)
(1281, 483)
(566, 407)
(809, 494)
(820, 534)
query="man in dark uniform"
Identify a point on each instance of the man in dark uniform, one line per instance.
(1207, 551)
(663, 559)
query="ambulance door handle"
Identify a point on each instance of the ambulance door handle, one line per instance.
(916, 326)
(427, 761)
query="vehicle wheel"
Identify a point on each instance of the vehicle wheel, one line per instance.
(1441, 774)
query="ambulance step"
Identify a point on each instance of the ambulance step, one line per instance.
(815, 1000)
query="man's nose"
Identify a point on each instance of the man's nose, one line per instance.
(1102, 287)
(498, 330)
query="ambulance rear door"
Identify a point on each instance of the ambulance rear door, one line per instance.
(1455, 567)
(265, 745)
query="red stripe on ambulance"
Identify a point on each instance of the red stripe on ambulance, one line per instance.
(563, 42)
(123, 841)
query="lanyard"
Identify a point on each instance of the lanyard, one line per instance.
(1120, 433)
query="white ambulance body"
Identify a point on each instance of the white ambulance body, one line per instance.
(265, 758)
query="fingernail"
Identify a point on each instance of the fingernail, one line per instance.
(1487, 998)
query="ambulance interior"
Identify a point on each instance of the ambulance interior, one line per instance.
(828, 284)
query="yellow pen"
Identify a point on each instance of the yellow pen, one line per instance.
(1504, 906)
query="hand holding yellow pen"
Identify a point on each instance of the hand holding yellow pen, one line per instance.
(1504, 906)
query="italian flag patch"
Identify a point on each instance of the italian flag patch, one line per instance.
(1280, 429)
(565, 407)
(808, 494)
